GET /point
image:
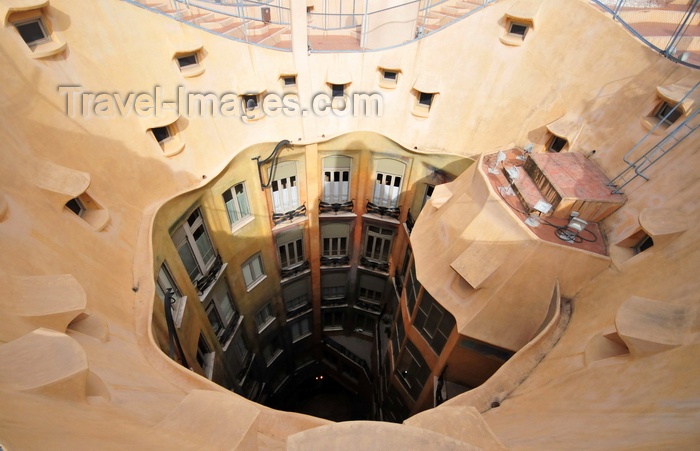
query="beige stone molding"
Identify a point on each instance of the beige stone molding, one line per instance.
(45, 362)
(568, 127)
(52, 302)
(9, 7)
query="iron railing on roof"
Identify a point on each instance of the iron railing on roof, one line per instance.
(669, 27)
(672, 28)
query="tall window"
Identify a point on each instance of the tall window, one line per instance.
(237, 206)
(253, 271)
(205, 356)
(365, 324)
(164, 282)
(399, 333)
(378, 243)
(412, 369)
(335, 240)
(194, 246)
(300, 329)
(371, 288)
(333, 319)
(290, 248)
(433, 322)
(221, 312)
(412, 288)
(264, 317)
(336, 179)
(241, 348)
(285, 193)
(387, 187)
(334, 286)
(296, 295)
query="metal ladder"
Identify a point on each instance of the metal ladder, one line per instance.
(637, 167)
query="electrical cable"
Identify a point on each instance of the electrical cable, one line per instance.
(577, 239)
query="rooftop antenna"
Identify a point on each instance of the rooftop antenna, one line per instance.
(541, 207)
(569, 233)
(526, 151)
(500, 158)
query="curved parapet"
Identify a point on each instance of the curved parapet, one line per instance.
(46, 362)
(463, 423)
(28, 302)
(352, 435)
(220, 421)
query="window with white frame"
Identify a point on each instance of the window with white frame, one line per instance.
(253, 271)
(285, 192)
(388, 179)
(334, 285)
(296, 294)
(333, 319)
(300, 329)
(335, 239)
(378, 243)
(371, 289)
(221, 310)
(205, 356)
(165, 282)
(237, 206)
(336, 179)
(264, 317)
(290, 248)
(194, 246)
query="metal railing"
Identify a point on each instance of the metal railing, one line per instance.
(237, 21)
(430, 16)
(391, 212)
(672, 29)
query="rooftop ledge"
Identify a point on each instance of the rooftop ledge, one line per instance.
(521, 203)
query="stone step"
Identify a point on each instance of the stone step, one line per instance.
(45, 362)
(30, 302)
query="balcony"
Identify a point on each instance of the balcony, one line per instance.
(328, 208)
(374, 265)
(389, 212)
(278, 218)
(292, 271)
(335, 261)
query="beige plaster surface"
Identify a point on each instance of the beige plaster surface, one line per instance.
(108, 386)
